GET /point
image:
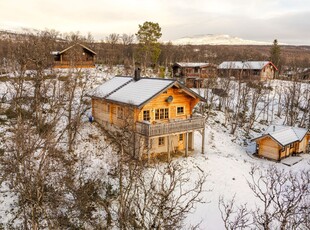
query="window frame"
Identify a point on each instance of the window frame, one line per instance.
(144, 114)
(177, 112)
(181, 137)
(161, 141)
(120, 112)
(162, 114)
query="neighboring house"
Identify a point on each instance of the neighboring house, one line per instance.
(278, 142)
(157, 111)
(192, 73)
(262, 70)
(77, 55)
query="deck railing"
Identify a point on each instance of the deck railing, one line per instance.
(150, 130)
(67, 64)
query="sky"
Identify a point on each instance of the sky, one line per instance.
(259, 20)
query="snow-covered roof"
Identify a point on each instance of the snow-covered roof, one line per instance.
(257, 65)
(137, 92)
(191, 64)
(110, 86)
(284, 135)
(128, 91)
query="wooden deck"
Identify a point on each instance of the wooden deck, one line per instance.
(171, 127)
(68, 64)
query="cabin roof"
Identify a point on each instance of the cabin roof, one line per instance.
(254, 65)
(191, 64)
(284, 135)
(126, 90)
(85, 47)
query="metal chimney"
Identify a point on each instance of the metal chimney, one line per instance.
(137, 74)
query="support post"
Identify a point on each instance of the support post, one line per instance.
(168, 148)
(148, 150)
(203, 141)
(186, 145)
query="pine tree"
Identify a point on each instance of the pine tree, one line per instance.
(149, 47)
(275, 54)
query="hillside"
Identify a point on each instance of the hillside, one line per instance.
(226, 163)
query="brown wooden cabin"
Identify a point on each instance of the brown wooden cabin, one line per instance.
(260, 70)
(193, 73)
(279, 142)
(159, 112)
(78, 56)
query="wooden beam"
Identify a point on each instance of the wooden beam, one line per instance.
(148, 150)
(186, 144)
(168, 148)
(203, 141)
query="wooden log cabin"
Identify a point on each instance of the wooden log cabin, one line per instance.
(159, 112)
(192, 74)
(278, 142)
(75, 56)
(260, 70)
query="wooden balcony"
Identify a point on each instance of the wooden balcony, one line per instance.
(170, 127)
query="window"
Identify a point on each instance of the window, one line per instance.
(180, 110)
(161, 141)
(181, 137)
(108, 108)
(196, 70)
(161, 114)
(291, 145)
(146, 115)
(120, 113)
(105, 108)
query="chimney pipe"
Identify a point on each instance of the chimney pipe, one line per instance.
(274, 128)
(137, 74)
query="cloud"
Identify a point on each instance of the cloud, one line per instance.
(256, 19)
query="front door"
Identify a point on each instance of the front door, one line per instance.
(181, 144)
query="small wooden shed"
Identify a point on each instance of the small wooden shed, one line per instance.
(278, 142)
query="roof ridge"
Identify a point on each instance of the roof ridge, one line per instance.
(295, 132)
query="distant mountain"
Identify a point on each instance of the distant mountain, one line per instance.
(213, 39)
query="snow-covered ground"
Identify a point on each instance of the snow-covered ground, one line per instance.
(227, 165)
(226, 162)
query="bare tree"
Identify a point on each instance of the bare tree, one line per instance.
(283, 201)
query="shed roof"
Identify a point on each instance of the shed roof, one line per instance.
(284, 135)
(124, 89)
(254, 65)
(191, 64)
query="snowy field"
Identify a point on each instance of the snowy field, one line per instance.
(226, 162)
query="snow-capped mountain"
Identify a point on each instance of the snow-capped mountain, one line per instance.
(213, 39)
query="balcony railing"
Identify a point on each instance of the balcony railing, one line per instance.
(66, 64)
(150, 130)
